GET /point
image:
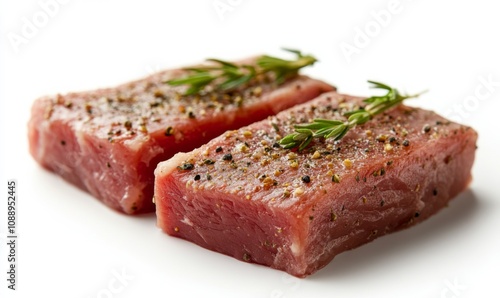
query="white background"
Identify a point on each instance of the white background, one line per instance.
(70, 245)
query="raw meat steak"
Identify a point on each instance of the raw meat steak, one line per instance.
(243, 195)
(109, 141)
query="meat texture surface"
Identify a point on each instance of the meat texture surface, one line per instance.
(109, 141)
(245, 196)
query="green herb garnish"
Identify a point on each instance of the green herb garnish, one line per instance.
(231, 76)
(324, 128)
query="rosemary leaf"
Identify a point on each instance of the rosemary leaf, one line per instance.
(336, 129)
(228, 76)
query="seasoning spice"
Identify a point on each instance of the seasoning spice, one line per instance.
(247, 134)
(316, 155)
(380, 172)
(306, 179)
(347, 163)
(381, 138)
(169, 131)
(88, 108)
(257, 91)
(128, 125)
(242, 147)
(143, 128)
(336, 178)
(208, 162)
(268, 181)
(298, 191)
(186, 166)
(227, 157)
(426, 128)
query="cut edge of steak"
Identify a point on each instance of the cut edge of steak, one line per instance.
(262, 211)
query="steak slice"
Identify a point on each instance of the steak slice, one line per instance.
(109, 141)
(245, 196)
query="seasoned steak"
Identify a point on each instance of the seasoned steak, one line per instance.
(244, 195)
(109, 141)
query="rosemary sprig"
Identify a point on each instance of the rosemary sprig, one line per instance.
(324, 128)
(231, 76)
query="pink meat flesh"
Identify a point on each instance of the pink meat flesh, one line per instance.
(109, 141)
(391, 173)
